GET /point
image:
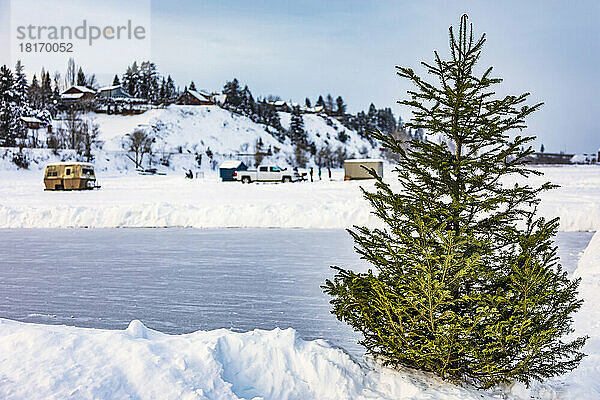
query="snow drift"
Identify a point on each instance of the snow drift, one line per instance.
(38, 361)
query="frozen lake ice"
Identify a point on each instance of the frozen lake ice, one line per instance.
(181, 280)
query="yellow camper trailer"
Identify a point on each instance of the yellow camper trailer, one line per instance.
(355, 169)
(70, 176)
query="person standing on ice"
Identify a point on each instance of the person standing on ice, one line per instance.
(319, 173)
(311, 174)
(329, 172)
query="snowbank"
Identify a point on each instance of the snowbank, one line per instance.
(44, 361)
(165, 201)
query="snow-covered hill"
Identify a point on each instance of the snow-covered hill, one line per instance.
(181, 132)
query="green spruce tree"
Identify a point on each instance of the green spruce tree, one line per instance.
(466, 280)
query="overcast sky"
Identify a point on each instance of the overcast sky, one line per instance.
(349, 48)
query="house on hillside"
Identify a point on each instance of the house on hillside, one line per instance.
(288, 106)
(200, 98)
(284, 106)
(313, 110)
(77, 93)
(115, 100)
(115, 92)
(37, 130)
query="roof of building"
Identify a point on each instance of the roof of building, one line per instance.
(202, 96)
(113, 87)
(82, 89)
(32, 120)
(315, 109)
(363, 160)
(87, 164)
(229, 164)
(71, 96)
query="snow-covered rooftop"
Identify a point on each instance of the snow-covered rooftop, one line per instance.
(363, 160)
(203, 96)
(113, 87)
(230, 164)
(70, 96)
(32, 120)
(86, 164)
(82, 89)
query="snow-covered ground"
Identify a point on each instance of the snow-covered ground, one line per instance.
(40, 361)
(129, 200)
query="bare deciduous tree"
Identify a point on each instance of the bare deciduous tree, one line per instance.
(139, 142)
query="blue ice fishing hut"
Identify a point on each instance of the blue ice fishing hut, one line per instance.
(228, 167)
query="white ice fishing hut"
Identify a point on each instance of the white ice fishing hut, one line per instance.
(358, 168)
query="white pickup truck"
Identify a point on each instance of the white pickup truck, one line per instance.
(267, 173)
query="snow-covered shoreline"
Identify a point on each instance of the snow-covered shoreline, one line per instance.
(128, 200)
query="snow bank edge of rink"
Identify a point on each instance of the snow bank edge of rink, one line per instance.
(50, 361)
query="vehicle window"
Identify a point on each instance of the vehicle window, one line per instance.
(275, 169)
(68, 171)
(87, 171)
(264, 169)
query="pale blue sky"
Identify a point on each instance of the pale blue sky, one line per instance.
(350, 48)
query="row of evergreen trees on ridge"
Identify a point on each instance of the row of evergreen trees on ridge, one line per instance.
(466, 281)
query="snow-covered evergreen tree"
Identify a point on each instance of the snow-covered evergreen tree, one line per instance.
(20, 87)
(46, 90)
(329, 104)
(296, 131)
(148, 82)
(340, 106)
(35, 93)
(386, 122)
(10, 125)
(233, 92)
(170, 90)
(131, 79)
(320, 102)
(81, 81)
